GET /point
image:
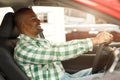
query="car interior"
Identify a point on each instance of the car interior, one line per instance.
(100, 59)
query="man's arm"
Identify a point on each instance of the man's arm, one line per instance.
(47, 53)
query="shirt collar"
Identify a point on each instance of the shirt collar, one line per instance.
(27, 38)
(41, 41)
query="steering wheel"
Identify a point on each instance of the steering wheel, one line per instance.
(103, 59)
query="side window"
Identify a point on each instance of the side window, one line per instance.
(3, 11)
(52, 22)
(63, 24)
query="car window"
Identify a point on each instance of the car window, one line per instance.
(64, 24)
(52, 22)
(3, 11)
(85, 25)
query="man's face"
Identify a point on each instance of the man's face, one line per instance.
(31, 23)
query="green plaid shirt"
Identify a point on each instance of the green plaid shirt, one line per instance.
(41, 59)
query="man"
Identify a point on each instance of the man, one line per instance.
(40, 58)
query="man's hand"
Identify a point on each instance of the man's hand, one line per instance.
(102, 38)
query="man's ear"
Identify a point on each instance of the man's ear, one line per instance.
(21, 26)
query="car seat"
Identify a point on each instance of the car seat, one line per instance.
(8, 37)
(1, 77)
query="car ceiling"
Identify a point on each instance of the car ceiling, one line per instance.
(77, 4)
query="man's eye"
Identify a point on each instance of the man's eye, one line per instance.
(33, 18)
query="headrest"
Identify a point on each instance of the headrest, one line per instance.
(7, 28)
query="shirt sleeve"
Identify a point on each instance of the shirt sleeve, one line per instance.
(47, 52)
